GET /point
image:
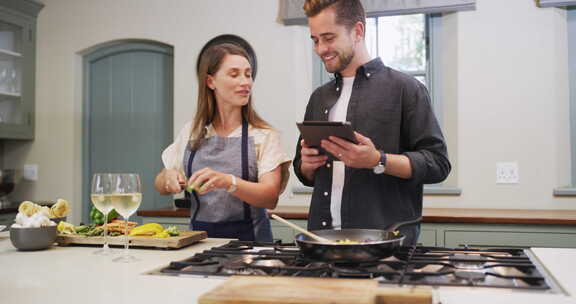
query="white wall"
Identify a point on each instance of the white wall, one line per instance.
(505, 87)
(512, 105)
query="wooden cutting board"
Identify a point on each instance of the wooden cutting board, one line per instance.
(174, 242)
(290, 290)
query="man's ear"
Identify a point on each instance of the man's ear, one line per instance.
(359, 31)
(210, 82)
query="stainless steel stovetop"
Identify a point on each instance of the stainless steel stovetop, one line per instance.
(433, 266)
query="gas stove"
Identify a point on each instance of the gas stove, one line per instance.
(433, 266)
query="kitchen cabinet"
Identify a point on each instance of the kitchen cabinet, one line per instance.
(444, 227)
(427, 237)
(450, 235)
(17, 68)
(285, 233)
(454, 235)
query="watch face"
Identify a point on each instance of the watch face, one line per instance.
(379, 169)
(232, 188)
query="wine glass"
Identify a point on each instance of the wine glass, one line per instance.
(4, 79)
(126, 198)
(13, 81)
(101, 190)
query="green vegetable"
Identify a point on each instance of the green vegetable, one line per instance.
(172, 231)
(81, 229)
(95, 231)
(98, 218)
(115, 233)
(190, 188)
(113, 215)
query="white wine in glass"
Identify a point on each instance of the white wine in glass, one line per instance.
(127, 203)
(126, 199)
(101, 187)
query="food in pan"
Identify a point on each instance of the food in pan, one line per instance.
(347, 241)
(351, 242)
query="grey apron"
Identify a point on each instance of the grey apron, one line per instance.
(218, 212)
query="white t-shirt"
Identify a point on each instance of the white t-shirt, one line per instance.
(338, 113)
(269, 152)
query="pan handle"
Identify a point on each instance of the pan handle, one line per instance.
(395, 226)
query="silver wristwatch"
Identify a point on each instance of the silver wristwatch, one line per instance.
(233, 185)
(381, 166)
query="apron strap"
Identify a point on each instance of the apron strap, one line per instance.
(186, 193)
(245, 173)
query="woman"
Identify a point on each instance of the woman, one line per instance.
(230, 156)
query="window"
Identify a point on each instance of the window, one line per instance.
(401, 43)
(404, 43)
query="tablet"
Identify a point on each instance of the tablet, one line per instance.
(314, 131)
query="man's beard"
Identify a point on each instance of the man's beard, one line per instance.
(344, 60)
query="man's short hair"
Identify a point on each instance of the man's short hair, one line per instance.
(348, 12)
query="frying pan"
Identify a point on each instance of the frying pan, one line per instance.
(375, 244)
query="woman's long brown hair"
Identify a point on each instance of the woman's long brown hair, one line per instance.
(207, 108)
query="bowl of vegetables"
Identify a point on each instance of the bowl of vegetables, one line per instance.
(33, 238)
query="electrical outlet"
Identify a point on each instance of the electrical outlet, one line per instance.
(507, 173)
(31, 172)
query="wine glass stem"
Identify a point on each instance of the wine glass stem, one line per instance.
(105, 230)
(126, 236)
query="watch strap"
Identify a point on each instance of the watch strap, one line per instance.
(381, 166)
(382, 158)
(233, 185)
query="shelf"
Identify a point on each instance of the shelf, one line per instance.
(8, 94)
(4, 53)
(17, 65)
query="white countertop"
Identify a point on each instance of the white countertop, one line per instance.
(74, 275)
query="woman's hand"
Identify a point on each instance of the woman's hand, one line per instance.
(169, 181)
(206, 180)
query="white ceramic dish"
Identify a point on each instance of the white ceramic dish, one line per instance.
(2, 227)
(33, 238)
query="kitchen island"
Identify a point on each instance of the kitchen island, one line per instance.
(74, 275)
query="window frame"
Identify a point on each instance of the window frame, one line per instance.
(571, 32)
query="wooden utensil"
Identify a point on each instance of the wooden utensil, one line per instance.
(288, 290)
(302, 230)
(174, 242)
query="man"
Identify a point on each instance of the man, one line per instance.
(379, 181)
